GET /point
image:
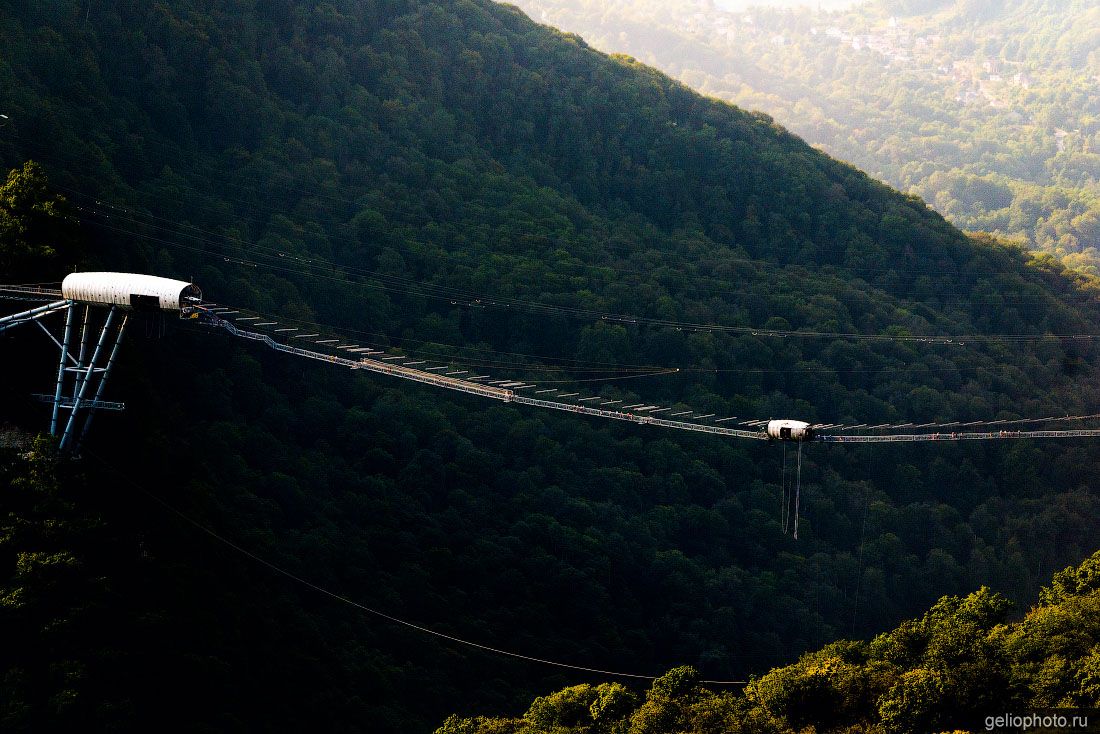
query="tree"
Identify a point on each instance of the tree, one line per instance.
(1073, 581)
(37, 231)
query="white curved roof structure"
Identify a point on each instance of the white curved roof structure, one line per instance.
(131, 291)
(788, 430)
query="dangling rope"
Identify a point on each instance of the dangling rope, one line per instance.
(859, 565)
(797, 489)
(784, 502)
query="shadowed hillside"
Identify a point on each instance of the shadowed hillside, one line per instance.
(960, 665)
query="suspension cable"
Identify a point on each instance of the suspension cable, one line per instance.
(363, 607)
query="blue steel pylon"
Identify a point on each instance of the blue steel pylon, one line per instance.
(87, 373)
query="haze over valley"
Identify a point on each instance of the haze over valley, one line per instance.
(988, 111)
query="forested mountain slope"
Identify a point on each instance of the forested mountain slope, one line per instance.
(960, 666)
(988, 110)
(452, 178)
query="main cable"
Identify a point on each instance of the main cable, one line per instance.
(587, 313)
(409, 286)
(652, 371)
(256, 249)
(363, 607)
(960, 269)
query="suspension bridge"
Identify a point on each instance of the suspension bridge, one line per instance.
(98, 307)
(88, 367)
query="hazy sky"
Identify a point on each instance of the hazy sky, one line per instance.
(825, 4)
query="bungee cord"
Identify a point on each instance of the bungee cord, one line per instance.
(797, 489)
(784, 502)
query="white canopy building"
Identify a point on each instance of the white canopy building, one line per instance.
(131, 291)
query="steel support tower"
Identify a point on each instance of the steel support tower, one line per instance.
(87, 352)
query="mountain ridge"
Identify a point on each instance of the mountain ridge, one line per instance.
(979, 108)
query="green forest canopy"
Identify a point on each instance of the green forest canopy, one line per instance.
(987, 110)
(959, 666)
